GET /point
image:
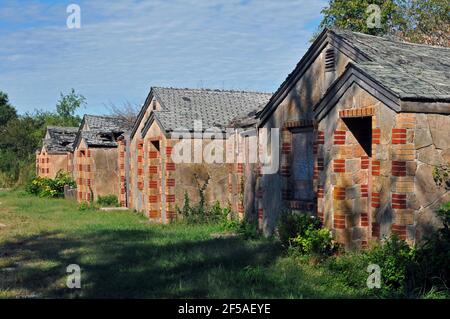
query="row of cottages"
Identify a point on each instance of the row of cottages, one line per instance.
(174, 128)
(352, 136)
(364, 120)
(55, 154)
(97, 165)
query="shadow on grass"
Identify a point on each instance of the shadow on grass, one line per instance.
(131, 264)
(148, 263)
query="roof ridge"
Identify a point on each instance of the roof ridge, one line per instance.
(387, 37)
(62, 127)
(103, 116)
(209, 90)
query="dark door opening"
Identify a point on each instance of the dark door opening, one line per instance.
(156, 145)
(361, 128)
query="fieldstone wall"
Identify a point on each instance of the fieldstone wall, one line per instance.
(432, 145)
(369, 193)
(352, 179)
(294, 112)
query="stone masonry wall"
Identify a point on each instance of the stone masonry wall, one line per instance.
(274, 190)
(365, 197)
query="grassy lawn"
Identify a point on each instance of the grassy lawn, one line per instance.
(122, 255)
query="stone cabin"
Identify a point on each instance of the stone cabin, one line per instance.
(157, 183)
(96, 156)
(364, 120)
(55, 154)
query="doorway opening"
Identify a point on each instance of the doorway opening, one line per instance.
(361, 128)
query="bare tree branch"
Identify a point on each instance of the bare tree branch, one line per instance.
(128, 111)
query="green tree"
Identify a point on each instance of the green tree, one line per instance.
(426, 21)
(21, 135)
(419, 21)
(7, 112)
(353, 14)
(66, 107)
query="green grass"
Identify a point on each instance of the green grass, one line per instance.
(122, 255)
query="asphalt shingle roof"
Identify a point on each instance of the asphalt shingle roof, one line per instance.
(106, 123)
(215, 108)
(60, 139)
(100, 138)
(102, 131)
(411, 71)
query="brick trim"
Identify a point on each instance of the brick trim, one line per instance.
(299, 123)
(375, 200)
(376, 167)
(339, 165)
(364, 220)
(339, 193)
(398, 168)
(339, 221)
(398, 136)
(400, 230)
(376, 135)
(339, 137)
(365, 161)
(360, 112)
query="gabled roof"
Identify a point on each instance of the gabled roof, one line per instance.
(59, 139)
(412, 72)
(215, 108)
(101, 131)
(106, 123)
(100, 138)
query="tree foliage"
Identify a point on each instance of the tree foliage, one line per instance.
(7, 112)
(22, 134)
(418, 21)
(66, 107)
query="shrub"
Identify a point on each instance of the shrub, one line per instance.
(85, 206)
(314, 241)
(433, 256)
(396, 260)
(303, 234)
(47, 187)
(292, 225)
(201, 213)
(108, 201)
(248, 229)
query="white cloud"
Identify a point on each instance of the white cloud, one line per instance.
(124, 47)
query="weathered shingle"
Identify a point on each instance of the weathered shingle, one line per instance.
(59, 139)
(215, 108)
(106, 123)
(100, 138)
(102, 131)
(412, 71)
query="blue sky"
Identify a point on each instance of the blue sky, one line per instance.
(125, 47)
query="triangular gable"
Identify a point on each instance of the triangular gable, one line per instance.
(143, 110)
(326, 37)
(354, 75)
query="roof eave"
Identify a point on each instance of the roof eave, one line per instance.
(354, 75)
(325, 37)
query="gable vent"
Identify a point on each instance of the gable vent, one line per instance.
(329, 60)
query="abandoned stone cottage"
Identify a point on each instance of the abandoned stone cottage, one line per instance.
(96, 156)
(55, 154)
(157, 184)
(363, 120)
